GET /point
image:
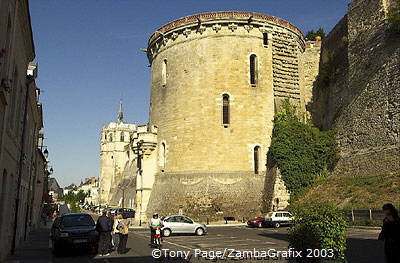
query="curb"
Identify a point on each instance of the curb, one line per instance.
(366, 227)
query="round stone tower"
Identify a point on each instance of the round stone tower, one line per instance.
(216, 81)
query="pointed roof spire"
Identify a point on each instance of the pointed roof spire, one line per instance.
(120, 112)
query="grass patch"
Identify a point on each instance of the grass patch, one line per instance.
(361, 192)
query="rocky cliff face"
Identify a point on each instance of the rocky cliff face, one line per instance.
(358, 90)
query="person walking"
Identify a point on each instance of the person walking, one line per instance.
(124, 231)
(104, 229)
(111, 224)
(116, 231)
(391, 233)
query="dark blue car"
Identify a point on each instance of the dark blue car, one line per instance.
(75, 230)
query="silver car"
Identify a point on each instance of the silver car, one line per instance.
(182, 225)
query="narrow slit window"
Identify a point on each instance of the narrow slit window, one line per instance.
(265, 39)
(163, 157)
(164, 72)
(110, 137)
(253, 70)
(256, 159)
(225, 109)
(122, 137)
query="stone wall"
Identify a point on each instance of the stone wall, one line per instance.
(309, 69)
(363, 97)
(330, 94)
(276, 195)
(208, 195)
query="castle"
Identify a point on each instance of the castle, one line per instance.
(217, 79)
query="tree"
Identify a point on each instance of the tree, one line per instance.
(311, 35)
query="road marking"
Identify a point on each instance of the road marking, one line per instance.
(178, 245)
(172, 243)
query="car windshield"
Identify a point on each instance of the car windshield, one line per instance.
(77, 220)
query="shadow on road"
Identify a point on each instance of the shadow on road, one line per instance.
(359, 250)
(364, 250)
(275, 235)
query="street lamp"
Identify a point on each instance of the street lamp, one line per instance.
(46, 153)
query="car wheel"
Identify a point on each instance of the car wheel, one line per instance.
(277, 225)
(260, 225)
(167, 232)
(199, 231)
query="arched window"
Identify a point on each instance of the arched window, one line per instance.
(164, 73)
(162, 156)
(256, 159)
(110, 137)
(253, 70)
(122, 139)
(265, 39)
(225, 109)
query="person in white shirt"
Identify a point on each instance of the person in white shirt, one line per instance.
(117, 230)
(154, 223)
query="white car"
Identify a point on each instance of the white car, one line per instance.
(182, 225)
(277, 219)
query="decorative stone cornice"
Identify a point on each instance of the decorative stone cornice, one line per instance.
(232, 27)
(248, 19)
(248, 27)
(216, 27)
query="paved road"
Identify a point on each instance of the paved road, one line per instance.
(363, 246)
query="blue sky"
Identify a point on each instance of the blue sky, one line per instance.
(89, 57)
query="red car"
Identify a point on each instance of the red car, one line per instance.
(257, 222)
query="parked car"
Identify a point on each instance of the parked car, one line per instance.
(126, 212)
(277, 219)
(256, 222)
(74, 230)
(113, 210)
(182, 225)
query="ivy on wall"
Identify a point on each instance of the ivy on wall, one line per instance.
(301, 151)
(394, 18)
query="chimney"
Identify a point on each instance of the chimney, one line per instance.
(93, 180)
(86, 180)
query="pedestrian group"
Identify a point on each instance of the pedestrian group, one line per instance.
(113, 232)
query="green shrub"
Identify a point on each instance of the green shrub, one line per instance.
(300, 151)
(318, 226)
(74, 207)
(311, 35)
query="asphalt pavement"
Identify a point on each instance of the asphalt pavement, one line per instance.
(231, 240)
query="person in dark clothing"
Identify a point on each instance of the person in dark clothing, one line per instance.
(111, 225)
(104, 228)
(391, 233)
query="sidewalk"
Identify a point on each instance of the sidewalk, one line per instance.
(36, 248)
